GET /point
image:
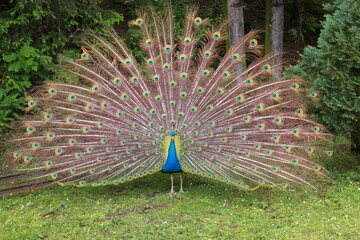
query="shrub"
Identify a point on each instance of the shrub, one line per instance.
(333, 66)
(32, 34)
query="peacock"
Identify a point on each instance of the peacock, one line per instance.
(183, 108)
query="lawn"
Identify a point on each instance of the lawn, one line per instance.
(142, 209)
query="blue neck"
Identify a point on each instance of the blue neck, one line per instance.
(172, 164)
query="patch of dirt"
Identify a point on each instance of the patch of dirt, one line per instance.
(154, 207)
(137, 209)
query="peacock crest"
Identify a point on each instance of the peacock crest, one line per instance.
(125, 117)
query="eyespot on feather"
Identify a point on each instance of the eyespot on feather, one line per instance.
(267, 67)
(235, 57)
(207, 54)
(253, 42)
(249, 81)
(155, 78)
(182, 57)
(95, 88)
(31, 103)
(150, 61)
(206, 73)
(187, 40)
(166, 66)
(198, 20)
(149, 42)
(167, 48)
(216, 35)
(139, 21)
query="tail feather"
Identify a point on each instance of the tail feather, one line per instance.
(110, 127)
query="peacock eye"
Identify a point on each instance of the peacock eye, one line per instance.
(183, 75)
(166, 66)
(240, 98)
(149, 42)
(172, 84)
(52, 91)
(198, 20)
(295, 86)
(226, 74)
(139, 21)
(207, 54)
(146, 94)
(187, 40)
(220, 91)
(253, 42)
(182, 57)
(158, 98)
(134, 79)
(249, 81)
(216, 35)
(31, 103)
(235, 56)
(275, 95)
(267, 67)
(205, 73)
(167, 48)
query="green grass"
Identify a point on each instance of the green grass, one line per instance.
(142, 209)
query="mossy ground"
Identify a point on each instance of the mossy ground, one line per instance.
(142, 209)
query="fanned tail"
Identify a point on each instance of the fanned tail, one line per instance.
(110, 127)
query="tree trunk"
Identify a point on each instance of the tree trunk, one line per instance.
(300, 21)
(277, 35)
(236, 26)
(355, 137)
(267, 26)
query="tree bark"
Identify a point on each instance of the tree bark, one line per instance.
(236, 26)
(300, 21)
(267, 26)
(277, 35)
(355, 137)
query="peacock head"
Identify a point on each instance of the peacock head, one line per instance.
(172, 133)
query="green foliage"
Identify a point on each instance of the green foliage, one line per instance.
(20, 67)
(32, 34)
(334, 69)
(209, 210)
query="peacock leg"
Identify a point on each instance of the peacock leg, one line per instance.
(181, 183)
(172, 184)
